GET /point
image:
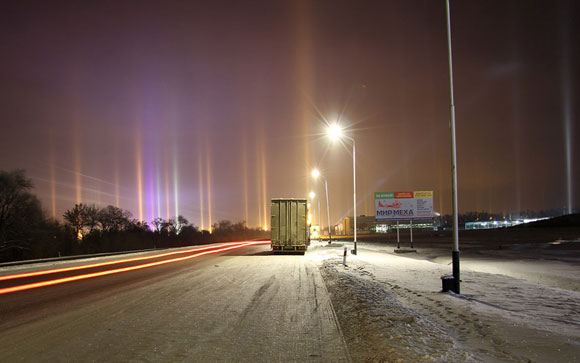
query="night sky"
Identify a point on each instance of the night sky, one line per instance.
(209, 110)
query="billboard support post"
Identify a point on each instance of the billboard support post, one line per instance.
(411, 229)
(398, 240)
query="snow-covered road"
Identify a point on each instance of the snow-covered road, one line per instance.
(249, 305)
(242, 305)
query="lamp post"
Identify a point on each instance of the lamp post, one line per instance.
(316, 174)
(335, 132)
(312, 196)
(455, 252)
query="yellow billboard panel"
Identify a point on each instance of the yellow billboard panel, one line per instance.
(424, 194)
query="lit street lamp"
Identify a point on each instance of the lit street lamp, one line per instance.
(335, 132)
(316, 174)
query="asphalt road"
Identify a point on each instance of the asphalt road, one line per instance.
(238, 305)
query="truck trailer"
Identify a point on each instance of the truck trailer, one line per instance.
(290, 230)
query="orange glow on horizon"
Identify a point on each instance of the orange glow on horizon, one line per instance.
(124, 269)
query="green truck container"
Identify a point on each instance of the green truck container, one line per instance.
(289, 225)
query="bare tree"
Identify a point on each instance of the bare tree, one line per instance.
(91, 217)
(82, 217)
(113, 219)
(181, 222)
(19, 209)
(158, 224)
(75, 218)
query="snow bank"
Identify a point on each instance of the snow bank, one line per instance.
(390, 308)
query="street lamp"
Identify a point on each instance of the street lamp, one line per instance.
(335, 132)
(455, 252)
(316, 174)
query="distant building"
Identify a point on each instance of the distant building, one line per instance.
(368, 224)
(499, 224)
(363, 224)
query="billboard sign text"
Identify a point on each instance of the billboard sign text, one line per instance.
(403, 205)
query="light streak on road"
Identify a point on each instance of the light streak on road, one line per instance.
(207, 251)
(100, 264)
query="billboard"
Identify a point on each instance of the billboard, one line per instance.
(392, 206)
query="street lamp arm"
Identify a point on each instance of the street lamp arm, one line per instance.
(349, 138)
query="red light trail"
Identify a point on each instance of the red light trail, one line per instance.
(206, 251)
(100, 264)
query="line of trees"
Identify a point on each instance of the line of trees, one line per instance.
(26, 232)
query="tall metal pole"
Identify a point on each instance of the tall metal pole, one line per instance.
(327, 211)
(455, 252)
(354, 189)
(319, 219)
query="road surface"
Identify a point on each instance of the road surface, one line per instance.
(242, 304)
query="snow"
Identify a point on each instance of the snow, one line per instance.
(390, 307)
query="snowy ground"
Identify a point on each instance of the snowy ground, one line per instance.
(243, 305)
(390, 307)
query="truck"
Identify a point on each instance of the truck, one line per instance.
(289, 225)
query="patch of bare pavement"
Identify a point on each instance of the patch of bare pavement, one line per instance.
(390, 309)
(243, 305)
